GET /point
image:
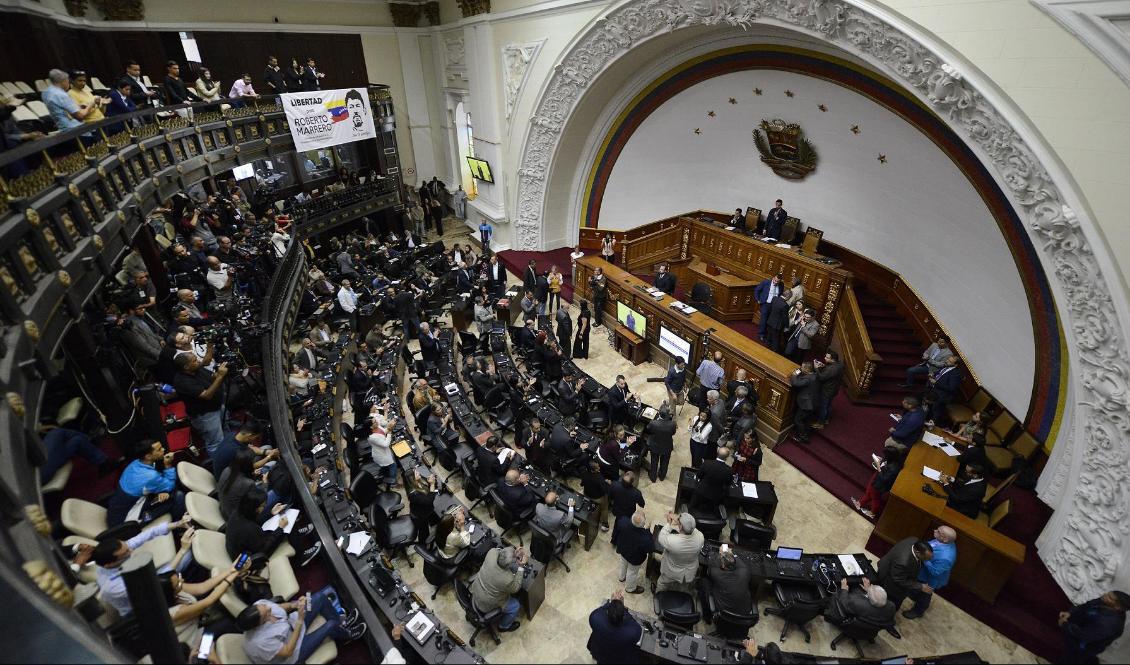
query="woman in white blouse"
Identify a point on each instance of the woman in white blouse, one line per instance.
(700, 435)
(380, 446)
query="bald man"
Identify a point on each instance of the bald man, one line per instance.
(516, 496)
(557, 522)
(187, 298)
(934, 573)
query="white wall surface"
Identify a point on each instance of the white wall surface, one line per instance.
(382, 62)
(916, 214)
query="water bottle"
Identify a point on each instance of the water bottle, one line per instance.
(166, 389)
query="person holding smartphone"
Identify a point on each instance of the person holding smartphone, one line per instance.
(189, 601)
(280, 633)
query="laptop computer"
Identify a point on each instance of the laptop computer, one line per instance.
(788, 562)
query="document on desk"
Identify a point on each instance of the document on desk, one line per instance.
(506, 452)
(291, 515)
(950, 450)
(932, 474)
(849, 564)
(357, 543)
(933, 439)
(420, 627)
(749, 490)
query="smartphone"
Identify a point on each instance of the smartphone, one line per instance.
(309, 603)
(242, 560)
(205, 646)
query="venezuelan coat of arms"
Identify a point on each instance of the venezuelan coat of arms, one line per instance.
(784, 149)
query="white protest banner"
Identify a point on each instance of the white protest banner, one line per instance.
(324, 118)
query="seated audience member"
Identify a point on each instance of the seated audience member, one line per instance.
(239, 477)
(498, 580)
(110, 553)
(681, 543)
(516, 496)
(886, 472)
(535, 442)
(633, 543)
(910, 427)
(207, 89)
(439, 428)
(452, 535)
(867, 602)
(242, 90)
(615, 633)
(714, 478)
(933, 359)
(557, 522)
(623, 499)
(944, 387)
(188, 602)
(63, 445)
(966, 494)
(249, 436)
(244, 530)
(280, 633)
(728, 579)
(152, 477)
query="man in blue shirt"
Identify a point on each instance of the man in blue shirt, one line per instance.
(614, 632)
(935, 573)
(486, 232)
(910, 426)
(710, 375)
(65, 111)
(152, 476)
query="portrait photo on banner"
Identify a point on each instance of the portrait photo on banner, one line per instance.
(324, 118)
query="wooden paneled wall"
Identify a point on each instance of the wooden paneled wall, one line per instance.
(32, 45)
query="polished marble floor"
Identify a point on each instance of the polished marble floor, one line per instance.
(807, 516)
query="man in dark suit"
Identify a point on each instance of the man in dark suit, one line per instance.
(965, 495)
(614, 633)
(898, 569)
(525, 337)
(868, 602)
(541, 292)
(1089, 629)
(405, 304)
(562, 442)
(530, 277)
(944, 387)
(617, 399)
(665, 280)
(777, 319)
(535, 441)
(489, 470)
(738, 220)
(623, 497)
(910, 426)
(717, 410)
(806, 388)
(775, 220)
(496, 273)
(518, 498)
(483, 381)
(463, 282)
(714, 479)
(564, 331)
(764, 293)
(439, 428)
(660, 442)
(569, 398)
(728, 581)
(309, 356)
(830, 374)
(429, 345)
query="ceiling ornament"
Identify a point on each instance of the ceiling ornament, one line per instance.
(1084, 547)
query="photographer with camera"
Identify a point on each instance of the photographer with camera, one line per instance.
(221, 282)
(203, 395)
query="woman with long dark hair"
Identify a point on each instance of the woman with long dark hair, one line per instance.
(748, 456)
(189, 602)
(584, 325)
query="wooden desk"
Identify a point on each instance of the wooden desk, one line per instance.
(630, 345)
(733, 295)
(768, 372)
(985, 558)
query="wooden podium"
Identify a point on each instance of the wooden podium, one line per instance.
(630, 345)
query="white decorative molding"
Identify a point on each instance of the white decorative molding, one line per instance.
(454, 59)
(1100, 24)
(1096, 517)
(516, 61)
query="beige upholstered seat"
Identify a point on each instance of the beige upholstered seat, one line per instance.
(196, 478)
(205, 510)
(229, 648)
(59, 480)
(83, 518)
(280, 575)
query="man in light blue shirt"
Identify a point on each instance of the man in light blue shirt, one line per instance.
(934, 573)
(710, 375)
(111, 553)
(65, 112)
(153, 476)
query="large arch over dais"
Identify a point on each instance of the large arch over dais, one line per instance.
(1087, 476)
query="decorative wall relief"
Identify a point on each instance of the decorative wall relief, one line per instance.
(516, 61)
(405, 14)
(1087, 546)
(473, 7)
(455, 59)
(784, 149)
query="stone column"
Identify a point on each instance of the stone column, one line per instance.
(486, 115)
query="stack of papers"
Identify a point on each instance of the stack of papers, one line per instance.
(933, 439)
(505, 453)
(291, 515)
(357, 543)
(932, 474)
(749, 490)
(451, 389)
(950, 450)
(849, 564)
(420, 627)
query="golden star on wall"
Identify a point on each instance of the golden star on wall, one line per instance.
(757, 91)
(855, 129)
(882, 159)
(733, 101)
(710, 113)
(789, 93)
(823, 109)
(697, 130)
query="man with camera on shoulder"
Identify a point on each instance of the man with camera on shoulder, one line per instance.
(203, 393)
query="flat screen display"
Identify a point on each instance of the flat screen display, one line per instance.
(676, 346)
(244, 171)
(789, 553)
(480, 169)
(631, 319)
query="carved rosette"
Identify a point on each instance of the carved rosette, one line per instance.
(1086, 555)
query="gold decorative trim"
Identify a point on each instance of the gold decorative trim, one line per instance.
(64, 278)
(73, 189)
(98, 242)
(156, 181)
(32, 330)
(32, 216)
(121, 216)
(16, 404)
(101, 171)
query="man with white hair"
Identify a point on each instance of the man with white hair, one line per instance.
(64, 110)
(499, 578)
(868, 602)
(681, 543)
(633, 544)
(934, 573)
(187, 298)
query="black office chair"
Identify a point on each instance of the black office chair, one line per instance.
(701, 297)
(439, 572)
(731, 625)
(366, 492)
(544, 546)
(506, 518)
(468, 341)
(596, 417)
(393, 534)
(451, 456)
(480, 620)
(711, 527)
(753, 536)
(472, 488)
(799, 604)
(856, 629)
(676, 608)
(498, 408)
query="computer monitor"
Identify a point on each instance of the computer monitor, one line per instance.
(789, 553)
(244, 171)
(631, 319)
(673, 344)
(480, 169)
